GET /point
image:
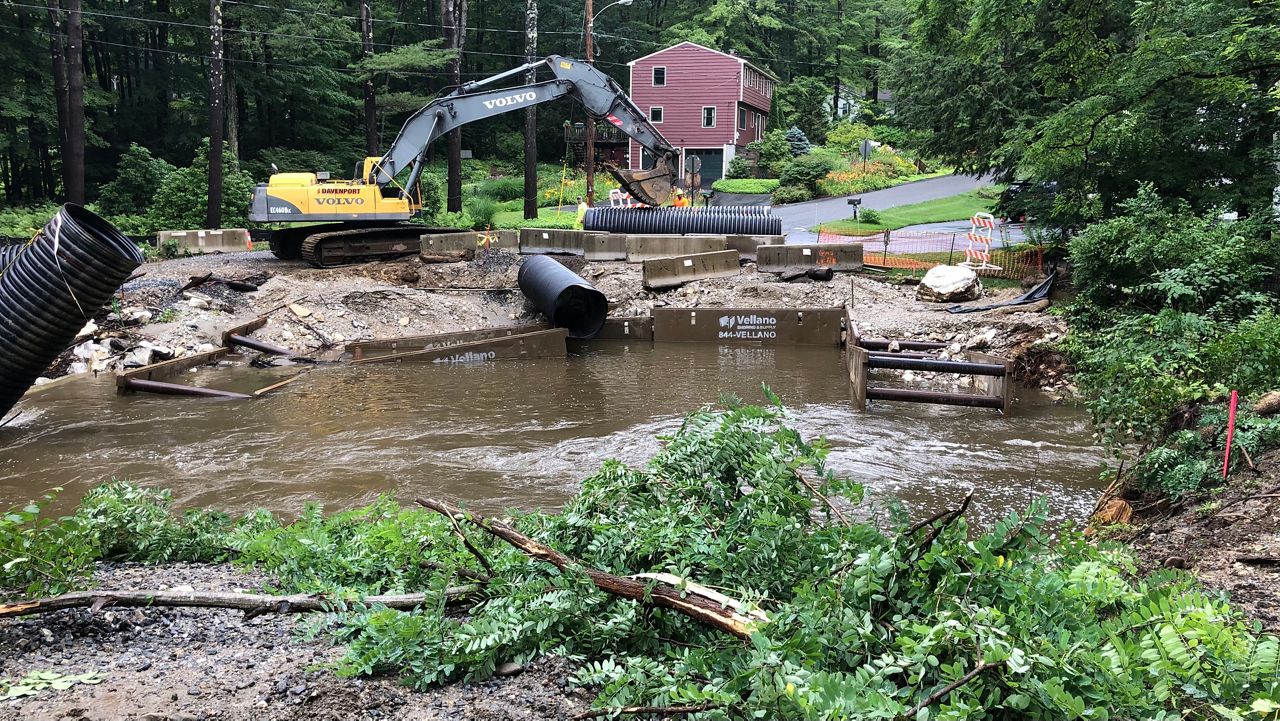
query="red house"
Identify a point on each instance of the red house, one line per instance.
(707, 103)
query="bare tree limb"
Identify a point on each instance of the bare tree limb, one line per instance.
(818, 494)
(942, 693)
(697, 607)
(251, 603)
(649, 710)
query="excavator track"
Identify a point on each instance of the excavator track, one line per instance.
(354, 245)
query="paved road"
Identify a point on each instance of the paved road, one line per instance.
(799, 217)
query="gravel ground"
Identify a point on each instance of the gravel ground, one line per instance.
(206, 664)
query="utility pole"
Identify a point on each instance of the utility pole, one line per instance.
(589, 154)
(73, 159)
(531, 114)
(370, 100)
(213, 212)
(453, 16)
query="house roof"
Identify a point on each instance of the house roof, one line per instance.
(741, 60)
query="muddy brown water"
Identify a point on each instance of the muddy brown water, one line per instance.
(522, 434)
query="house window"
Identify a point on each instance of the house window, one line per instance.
(709, 116)
(742, 118)
(659, 77)
(655, 114)
(759, 126)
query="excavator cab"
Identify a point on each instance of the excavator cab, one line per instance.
(651, 187)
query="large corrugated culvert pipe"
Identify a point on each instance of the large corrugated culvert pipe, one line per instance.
(668, 221)
(51, 287)
(561, 295)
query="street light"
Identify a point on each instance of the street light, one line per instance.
(606, 7)
(589, 154)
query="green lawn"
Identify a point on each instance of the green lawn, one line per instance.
(547, 218)
(955, 207)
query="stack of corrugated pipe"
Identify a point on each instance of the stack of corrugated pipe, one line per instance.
(51, 287)
(716, 220)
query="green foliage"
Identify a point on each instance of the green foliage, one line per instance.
(1170, 311)
(805, 102)
(503, 188)
(847, 137)
(805, 171)
(869, 215)
(739, 168)
(745, 185)
(859, 621)
(792, 194)
(138, 176)
(42, 554)
(1098, 98)
(775, 151)
(798, 142)
(181, 199)
(36, 682)
(25, 222)
(482, 210)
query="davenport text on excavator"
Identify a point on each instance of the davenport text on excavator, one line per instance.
(366, 213)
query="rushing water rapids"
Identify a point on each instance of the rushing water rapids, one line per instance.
(524, 433)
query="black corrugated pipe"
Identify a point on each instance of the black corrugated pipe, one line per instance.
(667, 221)
(51, 287)
(561, 295)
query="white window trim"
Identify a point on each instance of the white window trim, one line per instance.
(742, 118)
(714, 114)
(660, 110)
(653, 71)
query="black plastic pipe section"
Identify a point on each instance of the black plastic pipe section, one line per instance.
(679, 221)
(566, 299)
(51, 287)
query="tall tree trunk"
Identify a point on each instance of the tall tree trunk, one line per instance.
(531, 114)
(73, 152)
(232, 112)
(453, 15)
(56, 50)
(370, 99)
(213, 213)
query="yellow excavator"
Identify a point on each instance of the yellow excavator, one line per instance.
(362, 218)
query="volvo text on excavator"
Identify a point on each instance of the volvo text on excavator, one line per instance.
(367, 212)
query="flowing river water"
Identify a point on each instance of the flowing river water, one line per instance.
(522, 434)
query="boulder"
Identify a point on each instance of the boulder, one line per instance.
(949, 284)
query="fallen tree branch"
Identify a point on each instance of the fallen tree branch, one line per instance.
(818, 494)
(942, 693)
(650, 710)
(696, 607)
(466, 543)
(252, 604)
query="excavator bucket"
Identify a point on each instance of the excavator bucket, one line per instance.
(651, 187)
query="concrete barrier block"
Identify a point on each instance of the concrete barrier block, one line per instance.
(746, 244)
(555, 241)
(673, 272)
(195, 242)
(748, 326)
(836, 256)
(605, 246)
(647, 247)
(436, 244)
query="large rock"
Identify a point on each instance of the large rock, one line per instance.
(949, 284)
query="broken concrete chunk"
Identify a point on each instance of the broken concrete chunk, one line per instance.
(300, 311)
(949, 284)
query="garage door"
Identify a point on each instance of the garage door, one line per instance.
(712, 164)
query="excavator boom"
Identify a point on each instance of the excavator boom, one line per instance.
(377, 196)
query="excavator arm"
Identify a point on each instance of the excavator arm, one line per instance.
(602, 98)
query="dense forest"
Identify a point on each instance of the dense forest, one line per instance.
(1097, 97)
